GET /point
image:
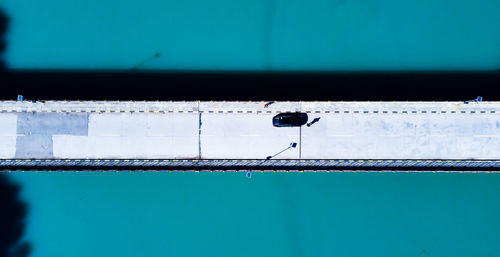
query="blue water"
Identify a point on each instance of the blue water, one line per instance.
(295, 214)
(254, 34)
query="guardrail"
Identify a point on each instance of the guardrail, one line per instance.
(252, 165)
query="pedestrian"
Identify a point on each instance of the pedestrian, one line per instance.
(268, 103)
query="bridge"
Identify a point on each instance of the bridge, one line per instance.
(239, 136)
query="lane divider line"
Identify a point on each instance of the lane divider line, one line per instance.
(253, 111)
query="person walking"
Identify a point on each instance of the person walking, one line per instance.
(268, 103)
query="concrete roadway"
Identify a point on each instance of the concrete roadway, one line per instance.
(243, 130)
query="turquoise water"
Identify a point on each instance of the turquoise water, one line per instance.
(295, 214)
(254, 35)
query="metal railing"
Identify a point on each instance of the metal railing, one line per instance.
(272, 165)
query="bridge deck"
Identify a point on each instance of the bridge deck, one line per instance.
(243, 130)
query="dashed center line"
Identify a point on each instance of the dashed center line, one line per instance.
(255, 111)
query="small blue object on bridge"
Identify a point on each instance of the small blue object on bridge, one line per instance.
(249, 174)
(20, 98)
(477, 100)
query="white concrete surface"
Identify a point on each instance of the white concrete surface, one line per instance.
(146, 135)
(402, 136)
(243, 130)
(180, 106)
(241, 136)
(8, 127)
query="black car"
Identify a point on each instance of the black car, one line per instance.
(290, 119)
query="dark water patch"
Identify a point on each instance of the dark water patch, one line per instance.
(3, 45)
(22, 250)
(4, 21)
(12, 219)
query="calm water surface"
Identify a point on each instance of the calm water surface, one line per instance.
(254, 34)
(295, 214)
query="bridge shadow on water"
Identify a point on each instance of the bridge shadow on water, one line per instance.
(243, 86)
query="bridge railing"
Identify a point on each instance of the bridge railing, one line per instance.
(276, 165)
